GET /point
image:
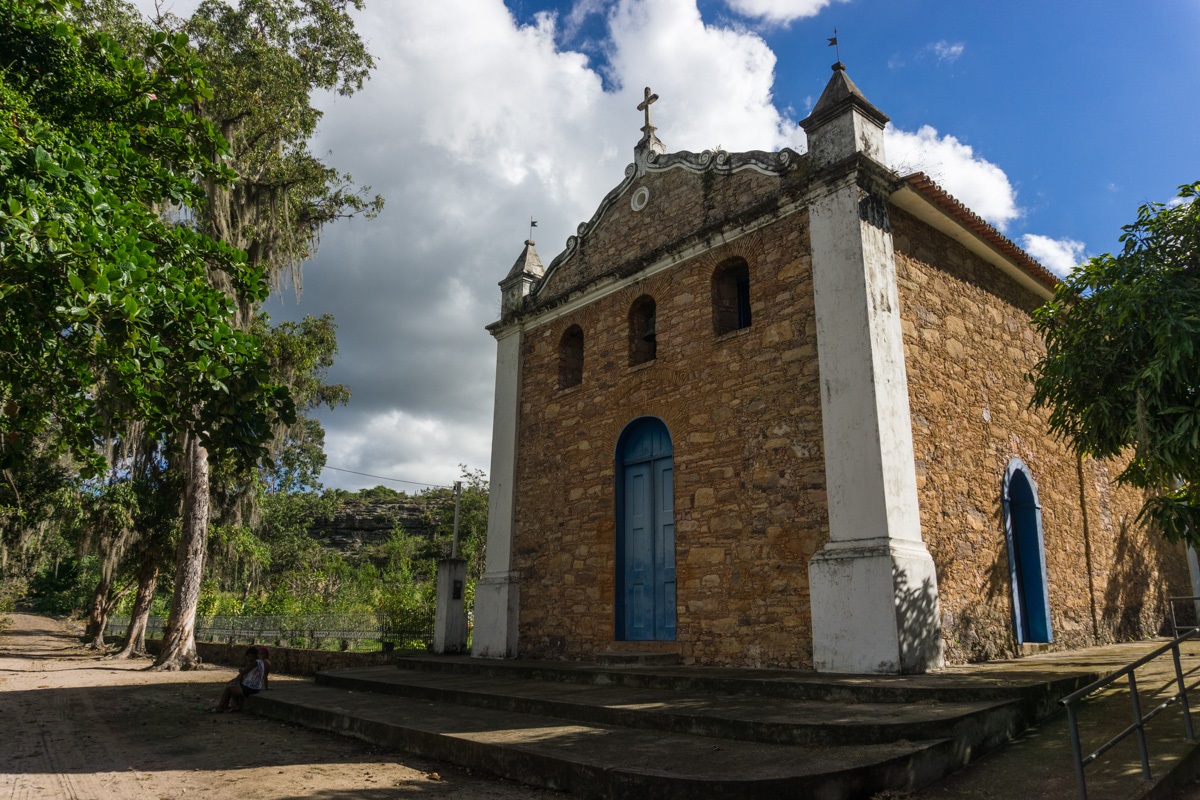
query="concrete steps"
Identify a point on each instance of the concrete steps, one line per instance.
(648, 731)
(599, 761)
(741, 717)
(622, 658)
(1037, 690)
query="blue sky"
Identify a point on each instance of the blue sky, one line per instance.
(1053, 120)
(1090, 108)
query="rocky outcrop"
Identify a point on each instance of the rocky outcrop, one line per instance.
(360, 523)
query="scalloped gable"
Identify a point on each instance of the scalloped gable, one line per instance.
(664, 200)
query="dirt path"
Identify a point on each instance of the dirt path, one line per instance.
(73, 725)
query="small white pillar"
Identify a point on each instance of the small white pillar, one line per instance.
(873, 586)
(450, 619)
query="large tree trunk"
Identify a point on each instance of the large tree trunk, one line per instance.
(135, 638)
(98, 614)
(102, 607)
(179, 640)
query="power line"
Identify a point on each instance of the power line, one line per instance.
(385, 478)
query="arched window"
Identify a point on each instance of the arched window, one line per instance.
(731, 296)
(570, 358)
(643, 344)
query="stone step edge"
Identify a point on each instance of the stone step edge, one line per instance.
(617, 658)
(648, 646)
(981, 729)
(1040, 697)
(924, 764)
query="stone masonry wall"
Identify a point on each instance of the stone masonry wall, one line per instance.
(968, 347)
(744, 415)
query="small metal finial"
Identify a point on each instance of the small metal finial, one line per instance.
(833, 42)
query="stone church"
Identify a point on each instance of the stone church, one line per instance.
(771, 409)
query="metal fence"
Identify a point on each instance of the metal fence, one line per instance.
(311, 631)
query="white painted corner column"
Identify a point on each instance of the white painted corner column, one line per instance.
(873, 586)
(497, 593)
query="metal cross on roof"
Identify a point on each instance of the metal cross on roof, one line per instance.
(645, 105)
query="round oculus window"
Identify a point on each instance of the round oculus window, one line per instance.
(640, 198)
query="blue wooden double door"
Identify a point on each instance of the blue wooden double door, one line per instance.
(645, 591)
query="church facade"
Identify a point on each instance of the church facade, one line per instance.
(771, 409)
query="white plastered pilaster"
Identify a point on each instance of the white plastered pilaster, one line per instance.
(497, 593)
(873, 586)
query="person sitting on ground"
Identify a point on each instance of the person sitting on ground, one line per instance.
(249, 681)
(265, 656)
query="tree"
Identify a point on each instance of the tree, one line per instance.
(1121, 375)
(109, 509)
(108, 315)
(264, 58)
(156, 486)
(300, 355)
(39, 508)
(106, 311)
(110, 312)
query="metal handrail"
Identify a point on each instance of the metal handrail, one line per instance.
(1139, 721)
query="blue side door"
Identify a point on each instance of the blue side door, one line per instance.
(1026, 555)
(646, 534)
(1034, 605)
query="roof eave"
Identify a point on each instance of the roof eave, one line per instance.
(918, 195)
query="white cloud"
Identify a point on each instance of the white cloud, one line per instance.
(978, 183)
(715, 83)
(947, 51)
(944, 51)
(1060, 256)
(778, 11)
(406, 448)
(579, 14)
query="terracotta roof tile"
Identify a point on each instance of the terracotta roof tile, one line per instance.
(927, 188)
